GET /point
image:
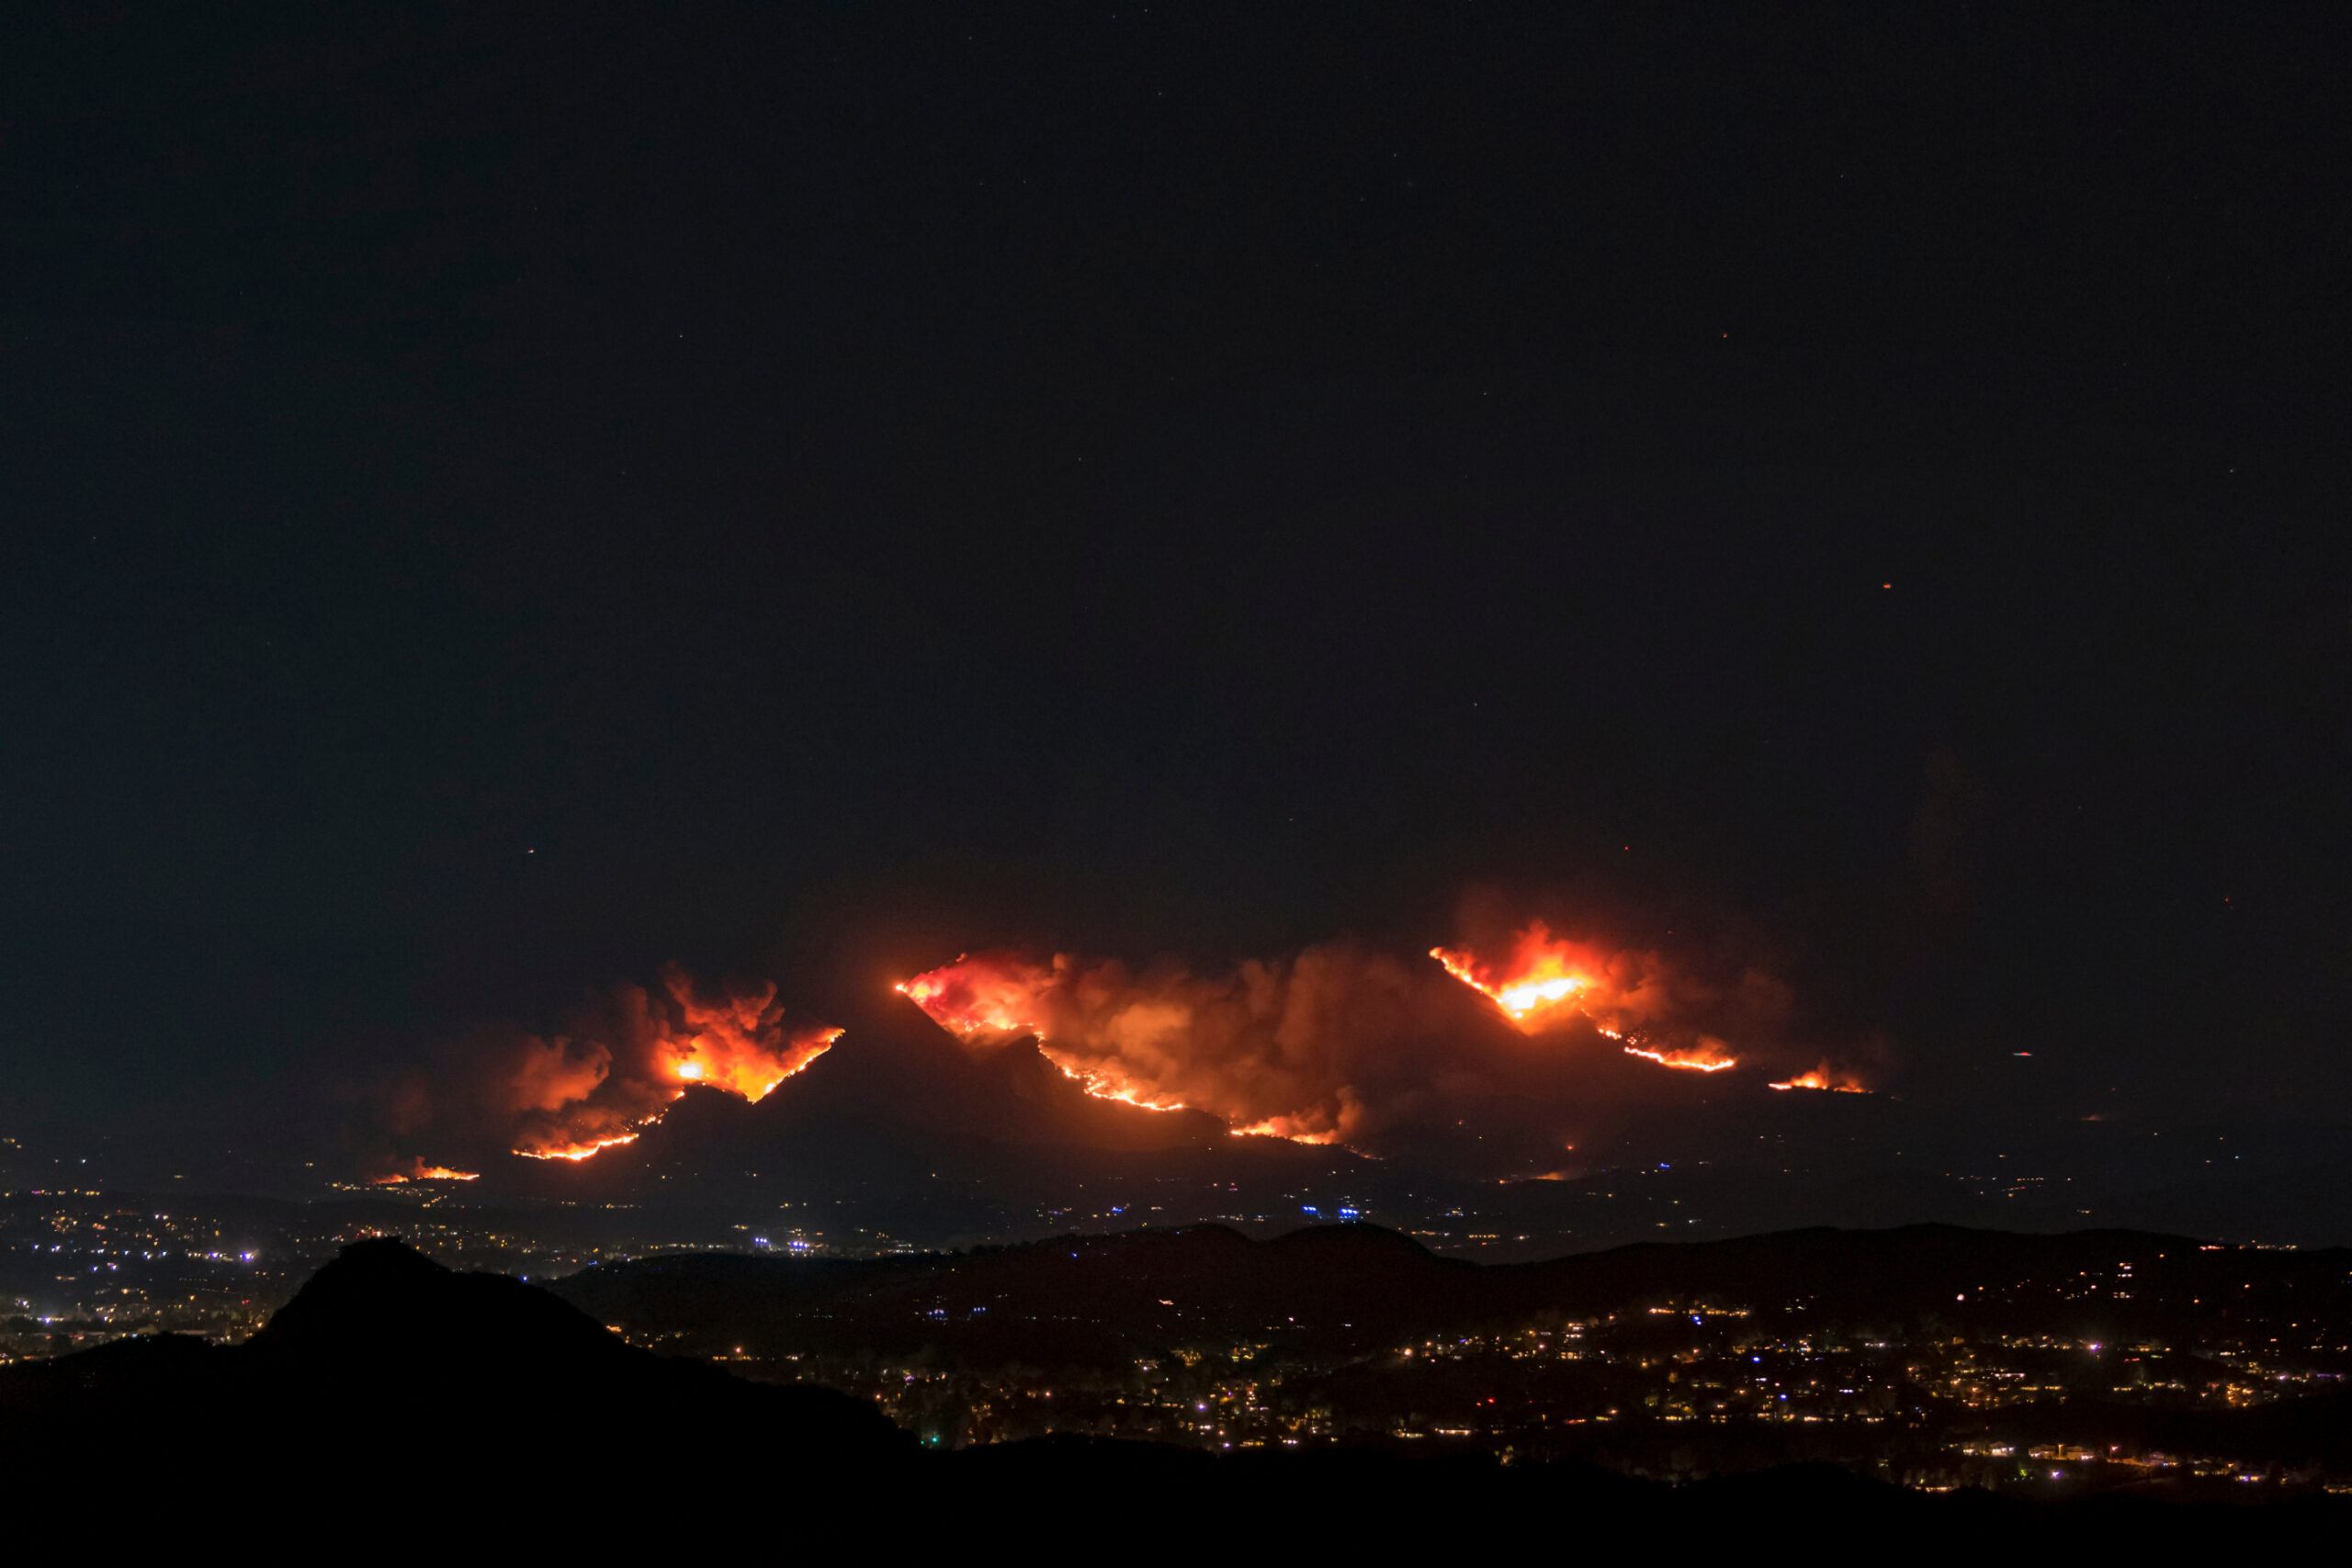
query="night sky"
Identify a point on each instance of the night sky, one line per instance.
(498, 502)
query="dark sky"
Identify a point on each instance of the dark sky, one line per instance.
(498, 501)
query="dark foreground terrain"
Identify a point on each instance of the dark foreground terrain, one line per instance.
(393, 1388)
(1927, 1355)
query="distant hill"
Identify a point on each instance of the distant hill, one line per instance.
(899, 1134)
(903, 1115)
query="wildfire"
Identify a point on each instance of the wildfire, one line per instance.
(1825, 1078)
(426, 1173)
(1705, 1057)
(643, 1051)
(973, 999)
(578, 1151)
(1547, 978)
(1341, 1044)
(997, 997)
(1128, 1094)
(1283, 1127)
(1541, 978)
(1162, 1041)
(737, 1045)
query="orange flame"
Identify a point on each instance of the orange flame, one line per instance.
(419, 1171)
(1547, 979)
(1334, 1044)
(1825, 1078)
(974, 1000)
(1705, 1057)
(1284, 1127)
(995, 996)
(1542, 979)
(600, 1092)
(578, 1151)
(737, 1045)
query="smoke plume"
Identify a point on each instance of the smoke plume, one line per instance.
(626, 1056)
(1512, 1044)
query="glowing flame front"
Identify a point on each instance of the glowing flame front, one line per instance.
(1541, 975)
(977, 999)
(1115, 1044)
(1827, 1079)
(1705, 1057)
(578, 1151)
(422, 1172)
(1546, 979)
(601, 1093)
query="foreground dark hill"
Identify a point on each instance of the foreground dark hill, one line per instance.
(392, 1389)
(385, 1352)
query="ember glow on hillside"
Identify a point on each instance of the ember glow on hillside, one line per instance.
(1269, 1047)
(419, 1171)
(998, 997)
(1826, 1078)
(583, 1149)
(1544, 981)
(1705, 1057)
(629, 1054)
(597, 1090)
(1340, 1045)
(976, 1000)
(1497, 1052)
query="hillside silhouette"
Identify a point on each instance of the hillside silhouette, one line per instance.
(393, 1384)
(902, 1114)
(387, 1359)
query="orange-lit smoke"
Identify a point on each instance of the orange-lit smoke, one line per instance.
(1827, 1079)
(637, 1052)
(1310, 1048)
(977, 999)
(1633, 997)
(1342, 1044)
(1541, 980)
(738, 1045)
(625, 1058)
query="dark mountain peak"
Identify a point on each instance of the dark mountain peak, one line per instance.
(386, 1358)
(376, 1262)
(705, 1114)
(1360, 1239)
(383, 1304)
(895, 1067)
